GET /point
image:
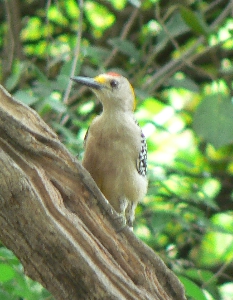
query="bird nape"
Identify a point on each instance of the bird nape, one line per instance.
(115, 147)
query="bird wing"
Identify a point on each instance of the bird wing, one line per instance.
(85, 137)
(142, 158)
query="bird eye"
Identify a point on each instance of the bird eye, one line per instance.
(114, 83)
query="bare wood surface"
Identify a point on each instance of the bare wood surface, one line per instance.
(57, 222)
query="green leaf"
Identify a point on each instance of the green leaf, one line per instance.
(192, 289)
(4, 295)
(160, 219)
(40, 75)
(6, 273)
(15, 77)
(194, 21)
(175, 26)
(201, 276)
(8, 255)
(213, 120)
(204, 277)
(62, 82)
(125, 47)
(58, 106)
(98, 54)
(185, 83)
(25, 97)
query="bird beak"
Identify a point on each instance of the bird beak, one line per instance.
(90, 82)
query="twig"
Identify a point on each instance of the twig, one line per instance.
(48, 37)
(166, 30)
(76, 52)
(171, 67)
(10, 45)
(123, 35)
(219, 272)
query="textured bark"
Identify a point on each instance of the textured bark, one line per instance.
(57, 222)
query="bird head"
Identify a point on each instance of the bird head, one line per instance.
(113, 90)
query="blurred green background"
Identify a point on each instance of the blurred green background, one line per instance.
(178, 56)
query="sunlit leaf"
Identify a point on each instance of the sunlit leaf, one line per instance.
(31, 30)
(98, 15)
(55, 15)
(6, 272)
(72, 9)
(119, 4)
(226, 291)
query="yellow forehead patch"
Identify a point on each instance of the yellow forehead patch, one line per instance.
(100, 79)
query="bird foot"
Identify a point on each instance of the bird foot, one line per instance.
(120, 222)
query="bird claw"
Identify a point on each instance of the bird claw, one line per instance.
(120, 221)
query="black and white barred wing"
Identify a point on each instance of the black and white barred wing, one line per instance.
(142, 158)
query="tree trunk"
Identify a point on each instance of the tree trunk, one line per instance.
(60, 226)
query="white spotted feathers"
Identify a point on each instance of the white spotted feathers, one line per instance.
(142, 160)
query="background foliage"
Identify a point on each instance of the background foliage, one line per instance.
(178, 56)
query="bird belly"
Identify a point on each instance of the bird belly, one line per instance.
(111, 161)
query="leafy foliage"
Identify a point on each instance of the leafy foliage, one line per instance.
(178, 56)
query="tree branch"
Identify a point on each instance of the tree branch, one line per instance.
(76, 52)
(12, 46)
(57, 222)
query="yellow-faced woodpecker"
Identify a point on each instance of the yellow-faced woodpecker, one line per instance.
(115, 147)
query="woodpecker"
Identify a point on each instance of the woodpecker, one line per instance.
(115, 148)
